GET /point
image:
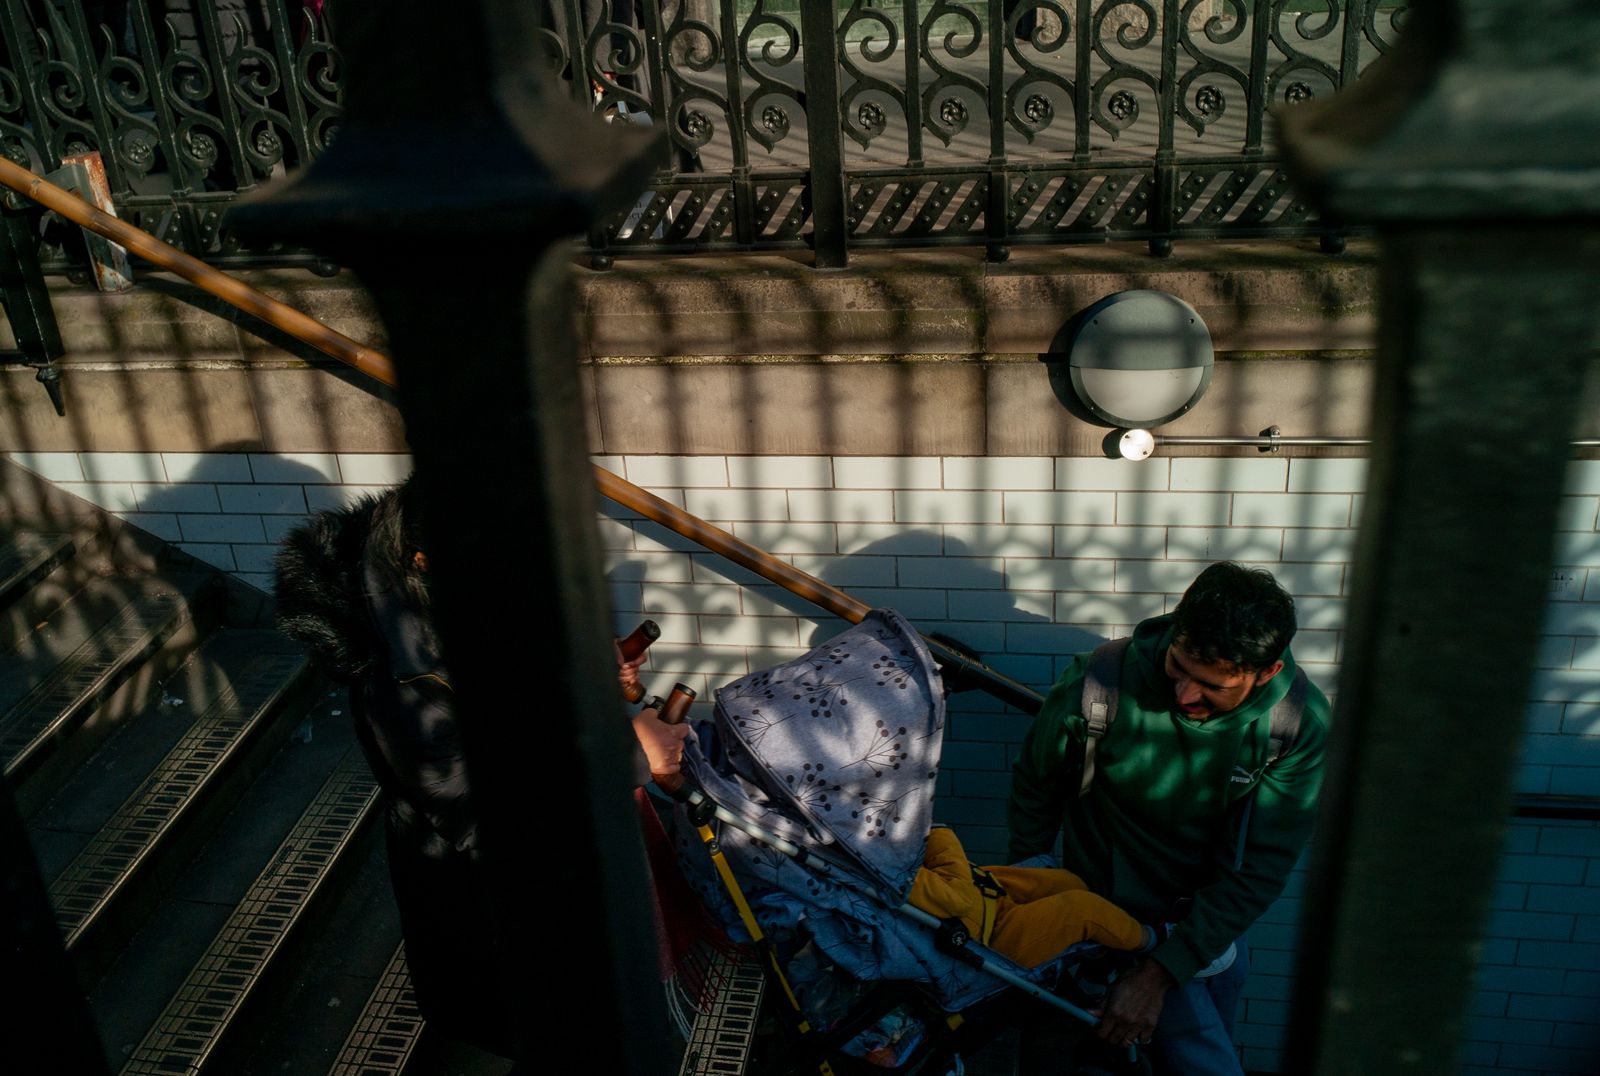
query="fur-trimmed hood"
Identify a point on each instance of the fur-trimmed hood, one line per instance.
(320, 593)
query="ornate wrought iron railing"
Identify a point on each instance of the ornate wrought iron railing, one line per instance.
(835, 124)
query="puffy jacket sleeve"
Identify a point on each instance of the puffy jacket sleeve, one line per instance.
(1244, 885)
(1046, 773)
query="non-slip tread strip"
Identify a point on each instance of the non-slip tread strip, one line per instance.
(384, 1037)
(720, 1043)
(178, 781)
(26, 552)
(55, 702)
(198, 1015)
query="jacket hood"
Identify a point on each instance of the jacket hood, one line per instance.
(319, 589)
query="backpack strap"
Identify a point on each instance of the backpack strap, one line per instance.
(1102, 681)
(1283, 729)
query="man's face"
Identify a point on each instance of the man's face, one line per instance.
(1200, 690)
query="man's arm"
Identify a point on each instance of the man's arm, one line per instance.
(1279, 824)
(1045, 773)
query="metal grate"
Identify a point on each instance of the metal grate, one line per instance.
(92, 670)
(383, 1039)
(197, 1017)
(26, 556)
(179, 781)
(720, 1042)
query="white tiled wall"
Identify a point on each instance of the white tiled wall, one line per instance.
(1029, 560)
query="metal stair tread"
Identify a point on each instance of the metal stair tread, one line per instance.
(26, 555)
(386, 1033)
(195, 1019)
(92, 669)
(251, 670)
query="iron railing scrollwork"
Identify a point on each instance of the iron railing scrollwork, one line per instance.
(956, 121)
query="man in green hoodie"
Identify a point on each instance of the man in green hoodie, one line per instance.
(1186, 803)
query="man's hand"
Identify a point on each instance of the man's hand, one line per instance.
(662, 743)
(1133, 1005)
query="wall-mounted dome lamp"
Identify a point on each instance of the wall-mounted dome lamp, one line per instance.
(1140, 358)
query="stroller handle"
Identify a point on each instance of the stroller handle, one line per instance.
(675, 711)
(631, 646)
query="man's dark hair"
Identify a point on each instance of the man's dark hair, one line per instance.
(1235, 614)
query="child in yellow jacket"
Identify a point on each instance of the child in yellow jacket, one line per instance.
(1036, 913)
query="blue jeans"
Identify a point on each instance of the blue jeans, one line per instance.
(1194, 1036)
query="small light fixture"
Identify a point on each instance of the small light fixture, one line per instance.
(1140, 358)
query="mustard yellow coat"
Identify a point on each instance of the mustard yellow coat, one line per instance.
(1042, 912)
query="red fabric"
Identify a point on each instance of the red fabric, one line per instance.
(684, 930)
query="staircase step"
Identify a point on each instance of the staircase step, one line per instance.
(28, 556)
(45, 732)
(189, 1032)
(237, 683)
(386, 1033)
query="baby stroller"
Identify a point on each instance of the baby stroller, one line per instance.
(801, 823)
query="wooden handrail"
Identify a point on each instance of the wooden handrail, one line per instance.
(336, 345)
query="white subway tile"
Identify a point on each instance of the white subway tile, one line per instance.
(887, 472)
(184, 497)
(614, 534)
(206, 467)
(1316, 647)
(693, 599)
(1113, 542)
(991, 540)
(338, 498)
(1224, 543)
(852, 571)
(214, 554)
(967, 573)
(614, 464)
(733, 504)
(894, 539)
(619, 511)
(781, 472)
(1328, 476)
(1578, 547)
(772, 600)
(1064, 507)
(1583, 476)
(1106, 611)
(1230, 474)
(1591, 589)
(254, 558)
(1090, 473)
(1174, 509)
(233, 528)
(262, 581)
(302, 468)
(263, 498)
(766, 631)
(52, 466)
(841, 506)
(1555, 652)
(374, 468)
(999, 472)
(122, 466)
(678, 471)
(783, 536)
(1578, 513)
(1329, 543)
(277, 528)
(1291, 509)
(940, 506)
(1566, 584)
(160, 524)
(650, 567)
(112, 496)
(648, 534)
(991, 605)
(1023, 573)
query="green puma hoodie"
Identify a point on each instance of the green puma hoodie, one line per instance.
(1161, 820)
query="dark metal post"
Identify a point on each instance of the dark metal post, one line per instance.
(22, 287)
(825, 185)
(494, 415)
(1491, 251)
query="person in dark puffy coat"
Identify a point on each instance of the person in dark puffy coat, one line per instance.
(352, 587)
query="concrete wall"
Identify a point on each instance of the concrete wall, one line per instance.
(1029, 559)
